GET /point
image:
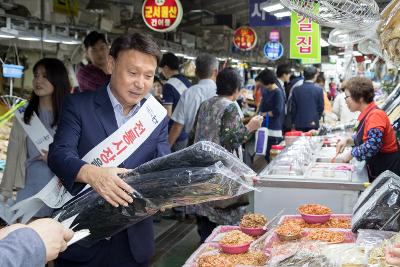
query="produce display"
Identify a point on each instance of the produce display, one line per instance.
(326, 236)
(253, 220)
(314, 209)
(343, 222)
(235, 238)
(255, 258)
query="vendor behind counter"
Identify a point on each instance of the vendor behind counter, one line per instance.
(374, 139)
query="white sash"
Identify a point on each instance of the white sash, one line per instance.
(177, 84)
(111, 152)
(35, 130)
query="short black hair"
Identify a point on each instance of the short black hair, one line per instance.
(136, 41)
(283, 69)
(228, 82)
(93, 37)
(310, 72)
(170, 60)
(321, 78)
(360, 87)
(266, 77)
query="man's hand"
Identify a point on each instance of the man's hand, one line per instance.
(44, 156)
(106, 182)
(7, 230)
(54, 236)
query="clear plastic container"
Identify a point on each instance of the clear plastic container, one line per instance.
(275, 150)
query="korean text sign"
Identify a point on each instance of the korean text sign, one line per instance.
(162, 15)
(304, 38)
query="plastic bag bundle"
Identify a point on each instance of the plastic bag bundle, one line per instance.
(201, 154)
(377, 208)
(158, 188)
(372, 188)
(299, 254)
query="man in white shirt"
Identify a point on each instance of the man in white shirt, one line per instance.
(185, 112)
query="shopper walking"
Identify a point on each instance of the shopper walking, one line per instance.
(307, 103)
(218, 120)
(185, 112)
(172, 91)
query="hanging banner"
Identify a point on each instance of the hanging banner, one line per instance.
(258, 17)
(245, 38)
(304, 38)
(162, 15)
(273, 50)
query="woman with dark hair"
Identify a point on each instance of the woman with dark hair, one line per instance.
(26, 167)
(375, 140)
(218, 120)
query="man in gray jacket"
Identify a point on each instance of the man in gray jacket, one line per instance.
(34, 244)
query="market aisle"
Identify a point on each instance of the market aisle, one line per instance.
(175, 242)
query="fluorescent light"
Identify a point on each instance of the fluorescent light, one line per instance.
(272, 8)
(357, 54)
(163, 51)
(180, 55)
(323, 43)
(51, 40)
(340, 54)
(189, 57)
(235, 60)
(29, 38)
(283, 14)
(221, 59)
(71, 42)
(6, 36)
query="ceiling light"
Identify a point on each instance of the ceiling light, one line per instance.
(283, 14)
(180, 55)
(164, 51)
(357, 54)
(271, 8)
(7, 32)
(6, 35)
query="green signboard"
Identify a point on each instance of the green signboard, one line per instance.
(304, 39)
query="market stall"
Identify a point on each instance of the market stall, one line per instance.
(305, 173)
(312, 236)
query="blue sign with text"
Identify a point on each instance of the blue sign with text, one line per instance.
(258, 17)
(273, 50)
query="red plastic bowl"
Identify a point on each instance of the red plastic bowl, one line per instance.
(315, 218)
(253, 231)
(235, 249)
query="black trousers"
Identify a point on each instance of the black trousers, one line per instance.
(204, 227)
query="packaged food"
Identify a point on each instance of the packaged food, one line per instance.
(236, 238)
(253, 220)
(159, 184)
(314, 209)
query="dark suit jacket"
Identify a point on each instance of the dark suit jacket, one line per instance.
(86, 120)
(307, 105)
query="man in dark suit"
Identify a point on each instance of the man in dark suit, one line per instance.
(89, 118)
(283, 72)
(307, 103)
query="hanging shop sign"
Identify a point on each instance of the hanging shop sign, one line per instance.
(273, 50)
(304, 38)
(162, 15)
(245, 38)
(68, 7)
(13, 71)
(258, 17)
